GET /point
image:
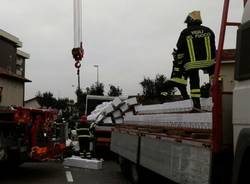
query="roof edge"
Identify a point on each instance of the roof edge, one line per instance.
(11, 38)
(23, 54)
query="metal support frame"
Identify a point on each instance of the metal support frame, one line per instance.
(216, 87)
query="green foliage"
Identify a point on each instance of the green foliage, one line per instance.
(81, 98)
(96, 89)
(148, 87)
(152, 89)
(114, 91)
(62, 103)
(46, 99)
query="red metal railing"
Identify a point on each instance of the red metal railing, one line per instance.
(216, 90)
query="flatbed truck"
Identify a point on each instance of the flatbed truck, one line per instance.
(196, 148)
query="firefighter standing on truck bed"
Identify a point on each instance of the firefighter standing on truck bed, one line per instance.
(196, 47)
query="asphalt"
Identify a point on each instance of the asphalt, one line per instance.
(56, 173)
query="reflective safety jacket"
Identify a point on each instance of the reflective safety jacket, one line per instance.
(83, 130)
(197, 44)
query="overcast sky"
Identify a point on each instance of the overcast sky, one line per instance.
(128, 39)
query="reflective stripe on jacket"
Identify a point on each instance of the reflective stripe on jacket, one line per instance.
(178, 72)
(83, 130)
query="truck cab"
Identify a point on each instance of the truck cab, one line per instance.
(241, 105)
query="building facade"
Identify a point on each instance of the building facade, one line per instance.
(12, 70)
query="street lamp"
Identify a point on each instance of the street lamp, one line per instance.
(97, 73)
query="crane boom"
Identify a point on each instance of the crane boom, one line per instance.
(78, 51)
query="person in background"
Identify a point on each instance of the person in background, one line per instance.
(84, 137)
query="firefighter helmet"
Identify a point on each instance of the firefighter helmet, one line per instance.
(84, 119)
(194, 17)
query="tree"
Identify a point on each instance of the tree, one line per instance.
(148, 87)
(160, 84)
(114, 91)
(96, 89)
(62, 103)
(46, 99)
(152, 89)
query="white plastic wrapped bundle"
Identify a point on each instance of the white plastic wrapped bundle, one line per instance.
(116, 102)
(131, 101)
(117, 107)
(117, 114)
(100, 109)
(119, 120)
(107, 120)
(172, 107)
(124, 107)
(76, 161)
(207, 104)
(185, 120)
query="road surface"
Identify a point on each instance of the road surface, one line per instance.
(56, 173)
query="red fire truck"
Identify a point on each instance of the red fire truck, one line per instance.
(30, 135)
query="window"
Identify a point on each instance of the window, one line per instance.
(19, 66)
(243, 53)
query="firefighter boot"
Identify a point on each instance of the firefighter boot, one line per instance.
(197, 105)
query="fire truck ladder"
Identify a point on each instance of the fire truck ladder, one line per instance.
(216, 90)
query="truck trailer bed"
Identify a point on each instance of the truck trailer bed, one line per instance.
(185, 160)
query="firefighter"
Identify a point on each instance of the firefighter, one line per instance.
(178, 78)
(84, 137)
(196, 46)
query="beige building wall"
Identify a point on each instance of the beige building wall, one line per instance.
(12, 93)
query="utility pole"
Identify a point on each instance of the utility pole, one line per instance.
(97, 73)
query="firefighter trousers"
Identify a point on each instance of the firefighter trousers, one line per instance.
(194, 80)
(181, 87)
(84, 144)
